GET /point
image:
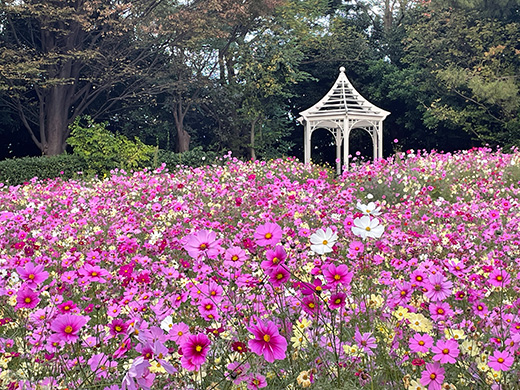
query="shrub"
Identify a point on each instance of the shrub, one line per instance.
(103, 150)
(20, 170)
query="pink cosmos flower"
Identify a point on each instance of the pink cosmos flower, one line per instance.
(356, 247)
(366, 341)
(274, 257)
(93, 273)
(337, 275)
(421, 343)
(501, 361)
(67, 326)
(67, 307)
(440, 310)
(32, 275)
(26, 298)
(117, 327)
(194, 351)
(438, 288)
(480, 309)
(268, 234)
(499, 278)
(337, 300)
(446, 351)
(310, 304)
(433, 376)
(235, 257)
(203, 243)
(208, 310)
(238, 372)
(256, 381)
(268, 341)
(278, 276)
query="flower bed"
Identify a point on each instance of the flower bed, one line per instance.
(399, 274)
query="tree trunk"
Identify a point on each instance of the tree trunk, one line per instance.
(252, 152)
(183, 138)
(54, 122)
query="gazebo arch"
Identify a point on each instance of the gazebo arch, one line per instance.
(340, 111)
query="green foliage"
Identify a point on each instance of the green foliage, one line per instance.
(21, 170)
(103, 150)
(195, 157)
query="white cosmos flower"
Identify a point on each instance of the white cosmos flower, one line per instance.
(323, 240)
(167, 324)
(369, 209)
(364, 227)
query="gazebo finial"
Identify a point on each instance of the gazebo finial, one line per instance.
(340, 111)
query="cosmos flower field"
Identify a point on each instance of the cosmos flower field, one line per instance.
(402, 274)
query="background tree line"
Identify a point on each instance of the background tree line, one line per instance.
(233, 74)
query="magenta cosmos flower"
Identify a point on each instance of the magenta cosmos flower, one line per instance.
(501, 361)
(433, 376)
(26, 298)
(278, 276)
(268, 342)
(438, 288)
(274, 257)
(268, 234)
(194, 351)
(32, 275)
(93, 273)
(337, 275)
(203, 243)
(446, 351)
(499, 278)
(67, 326)
(365, 341)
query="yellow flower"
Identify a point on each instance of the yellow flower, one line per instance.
(414, 385)
(400, 313)
(419, 323)
(457, 334)
(470, 347)
(304, 379)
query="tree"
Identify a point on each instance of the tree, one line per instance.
(470, 69)
(58, 57)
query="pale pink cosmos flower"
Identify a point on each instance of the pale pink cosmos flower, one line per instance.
(268, 234)
(438, 288)
(268, 341)
(365, 341)
(235, 257)
(203, 243)
(93, 273)
(32, 275)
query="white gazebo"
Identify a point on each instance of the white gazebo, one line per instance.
(340, 111)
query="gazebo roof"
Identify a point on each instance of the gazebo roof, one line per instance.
(341, 100)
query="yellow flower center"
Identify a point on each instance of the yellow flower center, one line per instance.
(268, 235)
(68, 329)
(180, 333)
(94, 273)
(325, 242)
(198, 348)
(500, 360)
(202, 247)
(433, 376)
(234, 258)
(445, 351)
(267, 338)
(367, 228)
(337, 277)
(421, 343)
(279, 276)
(118, 328)
(27, 300)
(31, 276)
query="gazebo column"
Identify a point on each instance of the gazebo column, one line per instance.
(307, 143)
(346, 140)
(374, 144)
(380, 138)
(338, 151)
